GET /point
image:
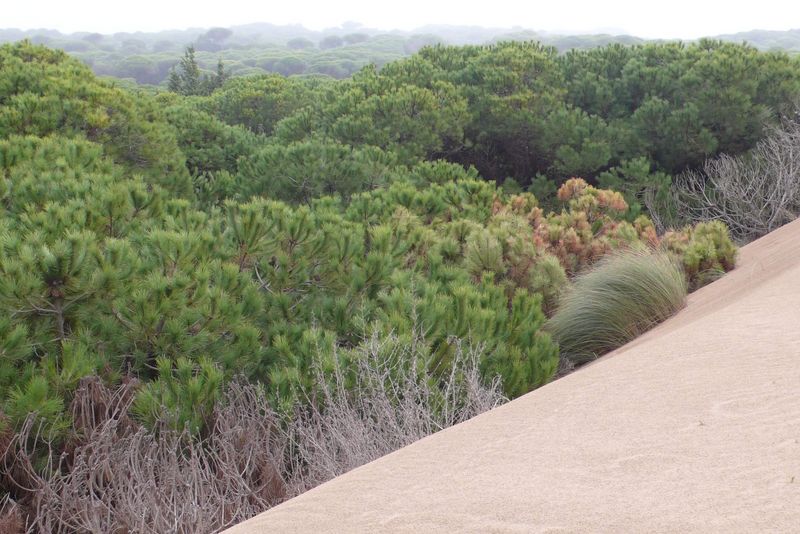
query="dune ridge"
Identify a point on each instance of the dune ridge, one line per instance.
(694, 426)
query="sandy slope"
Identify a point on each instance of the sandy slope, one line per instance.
(694, 426)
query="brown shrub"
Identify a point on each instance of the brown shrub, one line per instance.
(115, 476)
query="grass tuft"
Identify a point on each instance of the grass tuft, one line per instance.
(622, 297)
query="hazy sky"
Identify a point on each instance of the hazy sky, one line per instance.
(664, 18)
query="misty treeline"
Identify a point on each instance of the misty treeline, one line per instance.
(338, 52)
(321, 271)
(147, 58)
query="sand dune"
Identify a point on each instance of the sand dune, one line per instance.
(695, 426)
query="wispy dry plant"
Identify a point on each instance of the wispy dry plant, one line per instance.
(12, 519)
(385, 402)
(116, 476)
(125, 478)
(752, 194)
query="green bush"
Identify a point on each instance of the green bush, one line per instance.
(625, 295)
(548, 278)
(706, 251)
(182, 397)
(133, 243)
(46, 93)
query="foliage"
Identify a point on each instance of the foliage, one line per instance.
(210, 145)
(625, 295)
(44, 92)
(681, 103)
(250, 457)
(626, 116)
(185, 78)
(301, 171)
(752, 193)
(181, 398)
(148, 57)
(594, 224)
(378, 110)
(272, 230)
(641, 187)
(706, 250)
(257, 285)
(258, 103)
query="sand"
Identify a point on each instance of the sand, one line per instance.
(694, 426)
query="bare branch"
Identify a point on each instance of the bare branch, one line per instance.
(753, 194)
(117, 476)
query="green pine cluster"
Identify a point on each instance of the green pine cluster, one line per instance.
(187, 240)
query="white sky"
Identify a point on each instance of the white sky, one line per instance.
(664, 18)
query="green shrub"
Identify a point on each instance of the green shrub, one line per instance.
(182, 397)
(625, 295)
(45, 92)
(483, 253)
(548, 278)
(705, 250)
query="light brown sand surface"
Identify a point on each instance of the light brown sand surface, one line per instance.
(695, 426)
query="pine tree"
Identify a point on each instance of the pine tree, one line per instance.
(174, 83)
(185, 78)
(218, 79)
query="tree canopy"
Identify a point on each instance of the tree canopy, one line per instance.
(264, 230)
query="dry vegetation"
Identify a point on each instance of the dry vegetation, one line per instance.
(118, 476)
(396, 404)
(625, 295)
(752, 194)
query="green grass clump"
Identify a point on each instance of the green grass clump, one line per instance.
(625, 295)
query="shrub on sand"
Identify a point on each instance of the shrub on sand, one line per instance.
(121, 476)
(625, 295)
(705, 249)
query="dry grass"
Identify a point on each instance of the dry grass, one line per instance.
(393, 403)
(124, 478)
(116, 476)
(622, 297)
(752, 194)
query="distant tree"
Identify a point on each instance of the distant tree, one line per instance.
(290, 65)
(163, 45)
(219, 34)
(414, 43)
(334, 69)
(300, 43)
(133, 46)
(331, 41)
(76, 46)
(174, 82)
(93, 38)
(142, 68)
(221, 75)
(213, 39)
(353, 38)
(186, 79)
(41, 39)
